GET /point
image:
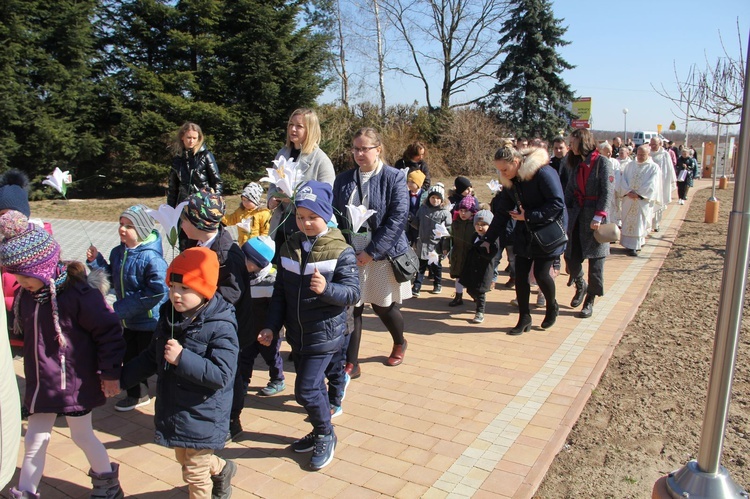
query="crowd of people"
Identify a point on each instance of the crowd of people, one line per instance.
(301, 269)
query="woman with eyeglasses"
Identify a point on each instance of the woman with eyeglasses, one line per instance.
(303, 145)
(382, 188)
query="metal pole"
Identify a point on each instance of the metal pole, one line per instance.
(706, 478)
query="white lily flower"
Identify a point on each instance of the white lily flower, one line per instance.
(169, 218)
(246, 224)
(441, 230)
(358, 215)
(450, 206)
(495, 186)
(284, 175)
(433, 258)
(59, 180)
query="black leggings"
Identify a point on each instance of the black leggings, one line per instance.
(543, 279)
(391, 318)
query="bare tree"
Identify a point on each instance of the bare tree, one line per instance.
(339, 63)
(455, 38)
(712, 94)
(381, 56)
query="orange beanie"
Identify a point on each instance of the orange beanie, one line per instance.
(197, 268)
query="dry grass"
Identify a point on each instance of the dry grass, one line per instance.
(108, 210)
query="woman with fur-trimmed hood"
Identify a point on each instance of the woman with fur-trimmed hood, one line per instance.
(533, 197)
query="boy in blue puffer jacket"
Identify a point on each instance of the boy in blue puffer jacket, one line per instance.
(137, 271)
(317, 279)
(194, 354)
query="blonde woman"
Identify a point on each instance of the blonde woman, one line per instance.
(193, 166)
(303, 145)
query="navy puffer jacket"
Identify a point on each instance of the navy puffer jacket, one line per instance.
(193, 398)
(315, 324)
(138, 277)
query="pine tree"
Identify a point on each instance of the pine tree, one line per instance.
(530, 96)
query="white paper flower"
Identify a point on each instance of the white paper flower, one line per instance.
(450, 206)
(495, 186)
(246, 224)
(59, 180)
(441, 230)
(433, 258)
(284, 175)
(169, 218)
(358, 215)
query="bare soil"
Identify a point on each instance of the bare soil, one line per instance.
(644, 419)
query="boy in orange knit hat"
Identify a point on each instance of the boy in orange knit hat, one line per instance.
(194, 353)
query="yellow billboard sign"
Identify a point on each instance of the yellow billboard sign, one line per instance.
(582, 108)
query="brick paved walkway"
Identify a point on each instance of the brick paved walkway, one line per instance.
(472, 412)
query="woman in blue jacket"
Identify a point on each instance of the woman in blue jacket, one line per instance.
(137, 271)
(382, 188)
(533, 197)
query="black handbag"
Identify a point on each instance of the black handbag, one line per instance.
(404, 266)
(548, 236)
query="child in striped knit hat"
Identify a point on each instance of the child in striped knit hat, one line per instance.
(72, 360)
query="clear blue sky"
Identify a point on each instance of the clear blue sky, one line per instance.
(619, 50)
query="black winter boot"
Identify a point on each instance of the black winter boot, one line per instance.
(588, 307)
(581, 288)
(551, 316)
(106, 485)
(457, 300)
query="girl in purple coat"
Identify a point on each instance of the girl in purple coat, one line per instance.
(73, 350)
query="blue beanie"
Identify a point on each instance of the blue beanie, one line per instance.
(316, 197)
(259, 250)
(13, 192)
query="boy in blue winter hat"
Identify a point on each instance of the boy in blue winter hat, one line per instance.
(317, 279)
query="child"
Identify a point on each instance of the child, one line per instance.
(251, 317)
(250, 215)
(430, 214)
(414, 184)
(201, 222)
(479, 270)
(194, 354)
(462, 232)
(137, 271)
(462, 189)
(71, 359)
(317, 280)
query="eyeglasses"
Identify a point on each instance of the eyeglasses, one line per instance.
(363, 150)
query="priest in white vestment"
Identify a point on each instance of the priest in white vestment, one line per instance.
(663, 160)
(638, 188)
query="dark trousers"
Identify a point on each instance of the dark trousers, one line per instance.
(543, 279)
(135, 343)
(335, 374)
(511, 261)
(436, 271)
(310, 390)
(480, 297)
(682, 190)
(270, 355)
(575, 266)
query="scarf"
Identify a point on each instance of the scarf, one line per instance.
(582, 177)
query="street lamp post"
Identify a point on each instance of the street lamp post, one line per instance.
(625, 115)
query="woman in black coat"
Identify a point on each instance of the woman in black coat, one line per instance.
(533, 197)
(193, 166)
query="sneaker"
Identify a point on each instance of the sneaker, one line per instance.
(336, 411)
(414, 292)
(514, 302)
(323, 451)
(222, 488)
(272, 388)
(130, 403)
(511, 283)
(541, 301)
(347, 380)
(478, 318)
(436, 290)
(304, 444)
